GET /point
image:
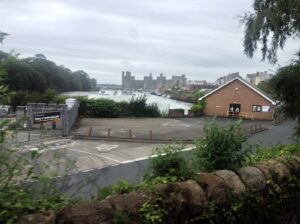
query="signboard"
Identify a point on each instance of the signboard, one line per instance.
(266, 109)
(46, 117)
(4, 109)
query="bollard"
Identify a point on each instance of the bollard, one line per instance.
(251, 129)
(150, 134)
(90, 131)
(108, 132)
(130, 133)
(259, 126)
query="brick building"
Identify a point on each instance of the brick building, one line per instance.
(238, 98)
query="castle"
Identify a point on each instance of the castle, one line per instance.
(160, 83)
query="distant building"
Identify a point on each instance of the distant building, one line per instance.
(200, 85)
(224, 79)
(257, 77)
(148, 83)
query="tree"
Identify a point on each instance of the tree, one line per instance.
(2, 36)
(287, 88)
(272, 22)
(3, 74)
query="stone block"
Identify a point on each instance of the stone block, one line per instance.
(232, 180)
(214, 187)
(252, 177)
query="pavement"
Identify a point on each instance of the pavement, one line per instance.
(109, 162)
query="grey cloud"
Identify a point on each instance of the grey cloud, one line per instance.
(202, 39)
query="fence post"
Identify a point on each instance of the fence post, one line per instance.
(108, 132)
(251, 129)
(259, 126)
(64, 119)
(130, 133)
(150, 134)
(90, 131)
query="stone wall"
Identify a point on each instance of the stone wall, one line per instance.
(185, 201)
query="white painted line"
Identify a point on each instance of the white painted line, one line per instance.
(152, 156)
(97, 155)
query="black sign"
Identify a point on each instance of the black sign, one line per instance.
(46, 117)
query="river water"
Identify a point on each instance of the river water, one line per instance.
(163, 103)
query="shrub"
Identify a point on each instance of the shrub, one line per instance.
(122, 187)
(263, 153)
(168, 162)
(139, 108)
(83, 104)
(152, 111)
(103, 108)
(221, 148)
(124, 105)
(198, 106)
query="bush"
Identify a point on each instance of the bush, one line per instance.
(221, 148)
(152, 111)
(168, 162)
(122, 187)
(124, 105)
(103, 108)
(198, 106)
(83, 104)
(263, 153)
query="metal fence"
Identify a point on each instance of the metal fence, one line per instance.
(23, 126)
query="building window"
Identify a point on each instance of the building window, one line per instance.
(256, 108)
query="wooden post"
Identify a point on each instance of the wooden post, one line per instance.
(150, 134)
(259, 126)
(245, 131)
(108, 132)
(90, 131)
(251, 129)
(130, 133)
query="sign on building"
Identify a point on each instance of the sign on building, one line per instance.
(46, 117)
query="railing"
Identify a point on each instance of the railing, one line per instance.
(245, 115)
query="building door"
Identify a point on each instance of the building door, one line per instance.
(234, 110)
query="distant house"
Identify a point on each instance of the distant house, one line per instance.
(238, 98)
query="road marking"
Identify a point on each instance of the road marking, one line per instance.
(106, 147)
(152, 156)
(97, 155)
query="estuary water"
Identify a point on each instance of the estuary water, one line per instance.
(163, 103)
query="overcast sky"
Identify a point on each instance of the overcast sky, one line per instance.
(199, 38)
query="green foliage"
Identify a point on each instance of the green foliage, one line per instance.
(287, 82)
(199, 106)
(37, 75)
(263, 154)
(122, 187)
(103, 108)
(169, 163)
(271, 23)
(196, 95)
(17, 200)
(137, 107)
(2, 36)
(120, 217)
(4, 126)
(152, 211)
(221, 148)
(268, 87)
(125, 110)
